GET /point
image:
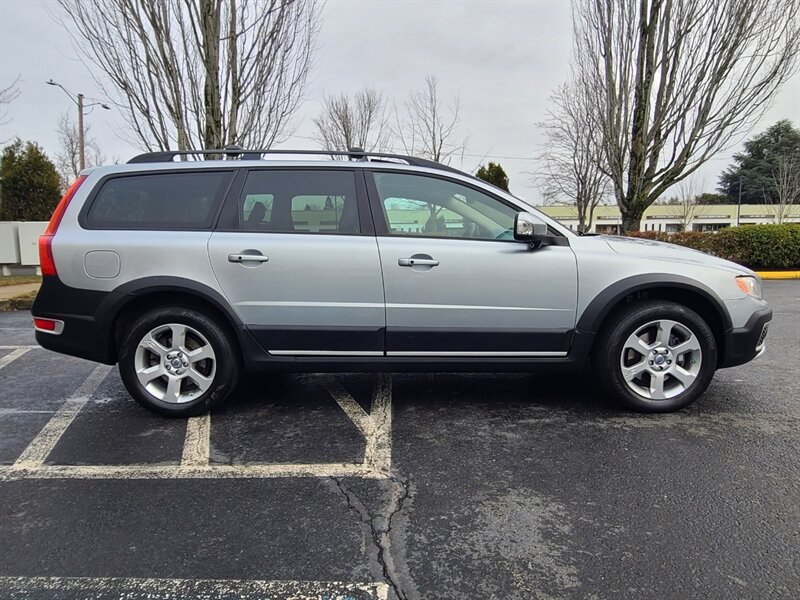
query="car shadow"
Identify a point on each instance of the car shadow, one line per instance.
(556, 390)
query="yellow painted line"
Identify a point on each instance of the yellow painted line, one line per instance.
(193, 588)
(779, 274)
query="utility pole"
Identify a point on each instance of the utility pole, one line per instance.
(78, 100)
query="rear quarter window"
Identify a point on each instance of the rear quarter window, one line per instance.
(186, 200)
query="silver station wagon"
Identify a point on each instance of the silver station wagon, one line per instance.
(188, 272)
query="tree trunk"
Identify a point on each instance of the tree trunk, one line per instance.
(210, 28)
(632, 220)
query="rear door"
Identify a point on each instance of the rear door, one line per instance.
(296, 256)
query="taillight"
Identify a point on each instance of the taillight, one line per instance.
(46, 260)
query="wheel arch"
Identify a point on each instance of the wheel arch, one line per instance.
(682, 290)
(134, 298)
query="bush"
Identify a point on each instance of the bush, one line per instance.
(755, 246)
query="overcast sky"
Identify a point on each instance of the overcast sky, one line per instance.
(502, 59)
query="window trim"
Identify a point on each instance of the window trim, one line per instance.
(229, 218)
(83, 215)
(383, 229)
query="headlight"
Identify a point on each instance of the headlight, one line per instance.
(749, 285)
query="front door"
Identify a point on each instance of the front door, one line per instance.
(457, 284)
(299, 263)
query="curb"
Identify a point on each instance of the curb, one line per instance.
(778, 274)
(18, 303)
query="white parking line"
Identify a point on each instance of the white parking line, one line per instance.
(240, 471)
(13, 355)
(197, 444)
(376, 426)
(350, 407)
(195, 458)
(378, 453)
(37, 451)
(194, 588)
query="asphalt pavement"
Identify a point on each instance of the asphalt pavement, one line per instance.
(400, 485)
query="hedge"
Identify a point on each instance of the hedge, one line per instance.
(755, 246)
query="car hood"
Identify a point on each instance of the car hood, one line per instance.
(670, 252)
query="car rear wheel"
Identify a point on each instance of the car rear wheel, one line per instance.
(177, 362)
(656, 356)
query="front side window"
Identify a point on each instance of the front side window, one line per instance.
(159, 200)
(299, 201)
(432, 207)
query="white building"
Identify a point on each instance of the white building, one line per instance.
(673, 218)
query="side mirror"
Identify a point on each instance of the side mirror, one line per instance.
(528, 228)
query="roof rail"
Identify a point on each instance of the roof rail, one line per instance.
(237, 153)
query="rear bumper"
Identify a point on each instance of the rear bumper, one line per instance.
(82, 335)
(80, 338)
(743, 344)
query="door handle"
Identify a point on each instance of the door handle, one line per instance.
(414, 262)
(240, 258)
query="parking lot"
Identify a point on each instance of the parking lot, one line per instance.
(399, 485)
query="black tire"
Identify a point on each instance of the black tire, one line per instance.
(637, 319)
(222, 370)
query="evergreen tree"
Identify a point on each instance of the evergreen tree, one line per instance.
(31, 186)
(494, 174)
(757, 164)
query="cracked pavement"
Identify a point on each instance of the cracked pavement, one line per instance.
(501, 486)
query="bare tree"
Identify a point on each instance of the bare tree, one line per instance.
(67, 160)
(684, 207)
(191, 74)
(785, 186)
(429, 128)
(571, 158)
(360, 121)
(676, 81)
(7, 95)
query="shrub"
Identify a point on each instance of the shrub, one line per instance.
(761, 246)
(755, 246)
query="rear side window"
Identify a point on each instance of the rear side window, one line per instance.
(159, 201)
(299, 201)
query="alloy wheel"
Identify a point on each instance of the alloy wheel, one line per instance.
(661, 359)
(175, 363)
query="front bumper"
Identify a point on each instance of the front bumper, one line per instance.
(743, 344)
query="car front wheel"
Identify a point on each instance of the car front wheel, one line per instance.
(656, 356)
(177, 362)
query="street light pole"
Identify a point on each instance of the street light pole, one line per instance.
(739, 204)
(81, 144)
(81, 130)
